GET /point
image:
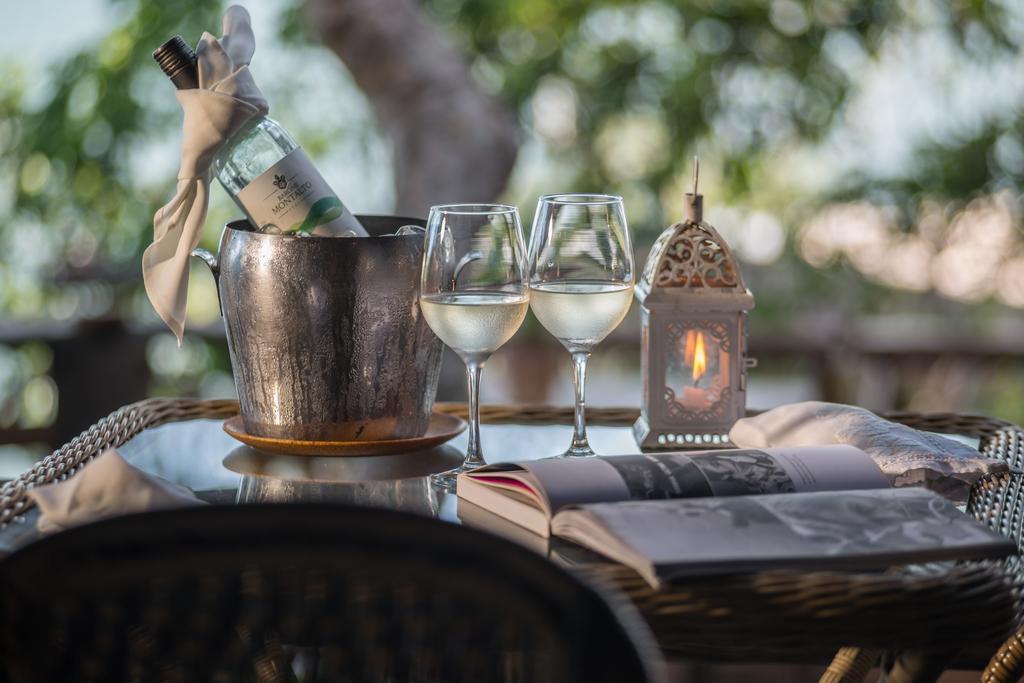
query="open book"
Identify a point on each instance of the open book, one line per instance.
(668, 539)
(477, 517)
(531, 493)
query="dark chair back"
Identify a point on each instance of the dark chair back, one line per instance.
(309, 593)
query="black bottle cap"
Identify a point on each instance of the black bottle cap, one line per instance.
(178, 61)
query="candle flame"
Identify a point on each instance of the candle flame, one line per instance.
(695, 354)
(700, 358)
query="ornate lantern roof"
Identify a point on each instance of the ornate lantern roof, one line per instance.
(691, 265)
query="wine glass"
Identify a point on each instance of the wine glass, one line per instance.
(581, 281)
(473, 293)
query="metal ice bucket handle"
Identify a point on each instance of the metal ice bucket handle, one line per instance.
(210, 259)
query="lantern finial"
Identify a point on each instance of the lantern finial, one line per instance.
(693, 202)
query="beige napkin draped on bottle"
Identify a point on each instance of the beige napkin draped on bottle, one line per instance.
(908, 457)
(105, 487)
(226, 98)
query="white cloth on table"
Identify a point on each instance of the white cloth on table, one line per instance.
(105, 487)
(907, 456)
(226, 98)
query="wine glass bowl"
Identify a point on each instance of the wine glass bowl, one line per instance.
(475, 324)
(580, 314)
(581, 280)
(473, 293)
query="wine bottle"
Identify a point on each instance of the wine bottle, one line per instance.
(265, 171)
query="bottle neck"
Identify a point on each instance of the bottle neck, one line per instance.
(245, 129)
(178, 61)
(185, 78)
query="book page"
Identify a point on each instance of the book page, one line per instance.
(664, 475)
(558, 482)
(688, 537)
(752, 471)
(748, 471)
(567, 481)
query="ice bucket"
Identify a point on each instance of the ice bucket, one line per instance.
(325, 334)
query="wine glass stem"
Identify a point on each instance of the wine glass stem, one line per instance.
(474, 456)
(580, 445)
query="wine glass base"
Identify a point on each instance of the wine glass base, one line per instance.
(578, 452)
(445, 481)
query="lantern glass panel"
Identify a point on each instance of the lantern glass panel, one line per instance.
(698, 368)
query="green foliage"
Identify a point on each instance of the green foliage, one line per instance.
(649, 83)
(678, 60)
(75, 203)
(741, 83)
(736, 81)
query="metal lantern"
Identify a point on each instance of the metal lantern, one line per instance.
(694, 306)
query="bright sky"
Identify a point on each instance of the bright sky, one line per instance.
(28, 23)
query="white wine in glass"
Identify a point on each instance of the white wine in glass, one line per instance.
(581, 281)
(473, 294)
(580, 314)
(475, 324)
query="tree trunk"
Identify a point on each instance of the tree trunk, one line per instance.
(452, 142)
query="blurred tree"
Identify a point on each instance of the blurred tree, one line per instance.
(740, 79)
(617, 94)
(610, 95)
(450, 141)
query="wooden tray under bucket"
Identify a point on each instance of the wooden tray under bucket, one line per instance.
(442, 428)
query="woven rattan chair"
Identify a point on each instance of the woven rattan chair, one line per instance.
(999, 503)
(306, 592)
(996, 501)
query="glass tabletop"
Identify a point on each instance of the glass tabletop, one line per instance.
(200, 455)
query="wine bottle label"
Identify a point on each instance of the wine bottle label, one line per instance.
(292, 197)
